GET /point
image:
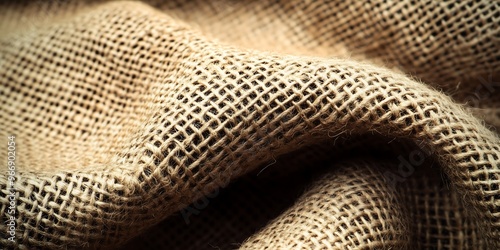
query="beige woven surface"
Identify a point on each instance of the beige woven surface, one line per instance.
(125, 113)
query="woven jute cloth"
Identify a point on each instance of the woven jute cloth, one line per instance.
(250, 124)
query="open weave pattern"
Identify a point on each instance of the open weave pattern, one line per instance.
(124, 114)
(228, 218)
(438, 41)
(429, 216)
(352, 208)
(345, 213)
(439, 219)
(428, 210)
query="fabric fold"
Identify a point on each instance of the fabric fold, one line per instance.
(124, 114)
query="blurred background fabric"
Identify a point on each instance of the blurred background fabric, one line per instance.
(251, 124)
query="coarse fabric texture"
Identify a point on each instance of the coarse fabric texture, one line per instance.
(251, 124)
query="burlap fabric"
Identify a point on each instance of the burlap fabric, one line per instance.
(252, 124)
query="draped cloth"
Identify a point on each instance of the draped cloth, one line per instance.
(250, 124)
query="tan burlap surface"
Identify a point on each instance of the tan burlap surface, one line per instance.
(251, 124)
